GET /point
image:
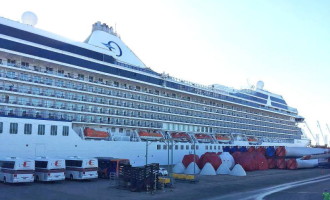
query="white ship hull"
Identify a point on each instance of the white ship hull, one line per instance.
(27, 146)
(101, 84)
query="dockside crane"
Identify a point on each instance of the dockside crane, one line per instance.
(324, 137)
(311, 134)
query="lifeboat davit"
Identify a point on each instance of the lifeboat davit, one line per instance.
(202, 137)
(144, 135)
(222, 138)
(91, 133)
(252, 140)
(181, 137)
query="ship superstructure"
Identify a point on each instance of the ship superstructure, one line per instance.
(99, 95)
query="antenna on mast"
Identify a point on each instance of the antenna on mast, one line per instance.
(250, 86)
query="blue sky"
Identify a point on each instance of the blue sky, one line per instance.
(230, 42)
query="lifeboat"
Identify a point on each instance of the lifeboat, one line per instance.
(144, 135)
(91, 133)
(252, 140)
(181, 137)
(201, 137)
(221, 138)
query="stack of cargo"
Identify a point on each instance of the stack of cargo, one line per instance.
(139, 179)
(251, 149)
(262, 150)
(271, 162)
(291, 157)
(226, 149)
(251, 161)
(269, 152)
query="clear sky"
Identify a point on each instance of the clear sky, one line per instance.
(235, 43)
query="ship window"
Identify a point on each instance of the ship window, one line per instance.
(1, 127)
(49, 69)
(81, 76)
(210, 147)
(13, 129)
(65, 131)
(219, 147)
(182, 147)
(187, 147)
(176, 147)
(164, 147)
(27, 129)
(53, 130)
(158, 147)
(41, 129)
(197, 147)
(206, 147)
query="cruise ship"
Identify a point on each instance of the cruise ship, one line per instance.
(96, 98)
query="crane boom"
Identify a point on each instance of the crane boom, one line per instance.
(325, 139)
(310, 132)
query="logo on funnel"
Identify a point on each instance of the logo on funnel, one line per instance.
(114, 47)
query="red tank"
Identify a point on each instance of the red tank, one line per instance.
(210, 157)
(187, 159)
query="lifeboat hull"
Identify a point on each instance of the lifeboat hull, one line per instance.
(91, 133)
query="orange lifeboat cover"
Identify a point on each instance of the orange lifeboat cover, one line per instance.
(222, 137)
(88, 132)
(202, 136)
(147, 134)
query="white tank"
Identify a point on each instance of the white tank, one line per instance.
(192, 169)
(208, 170)
(237, 171)
(179, 168)
(223, 169)
(227, 159)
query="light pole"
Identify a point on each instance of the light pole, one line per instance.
(146, 151)
(194, 156)
(168, 155)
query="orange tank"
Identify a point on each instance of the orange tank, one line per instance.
(88, 132)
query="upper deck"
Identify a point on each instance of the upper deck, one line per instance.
(37, 43)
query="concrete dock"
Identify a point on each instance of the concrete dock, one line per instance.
(208, 187)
